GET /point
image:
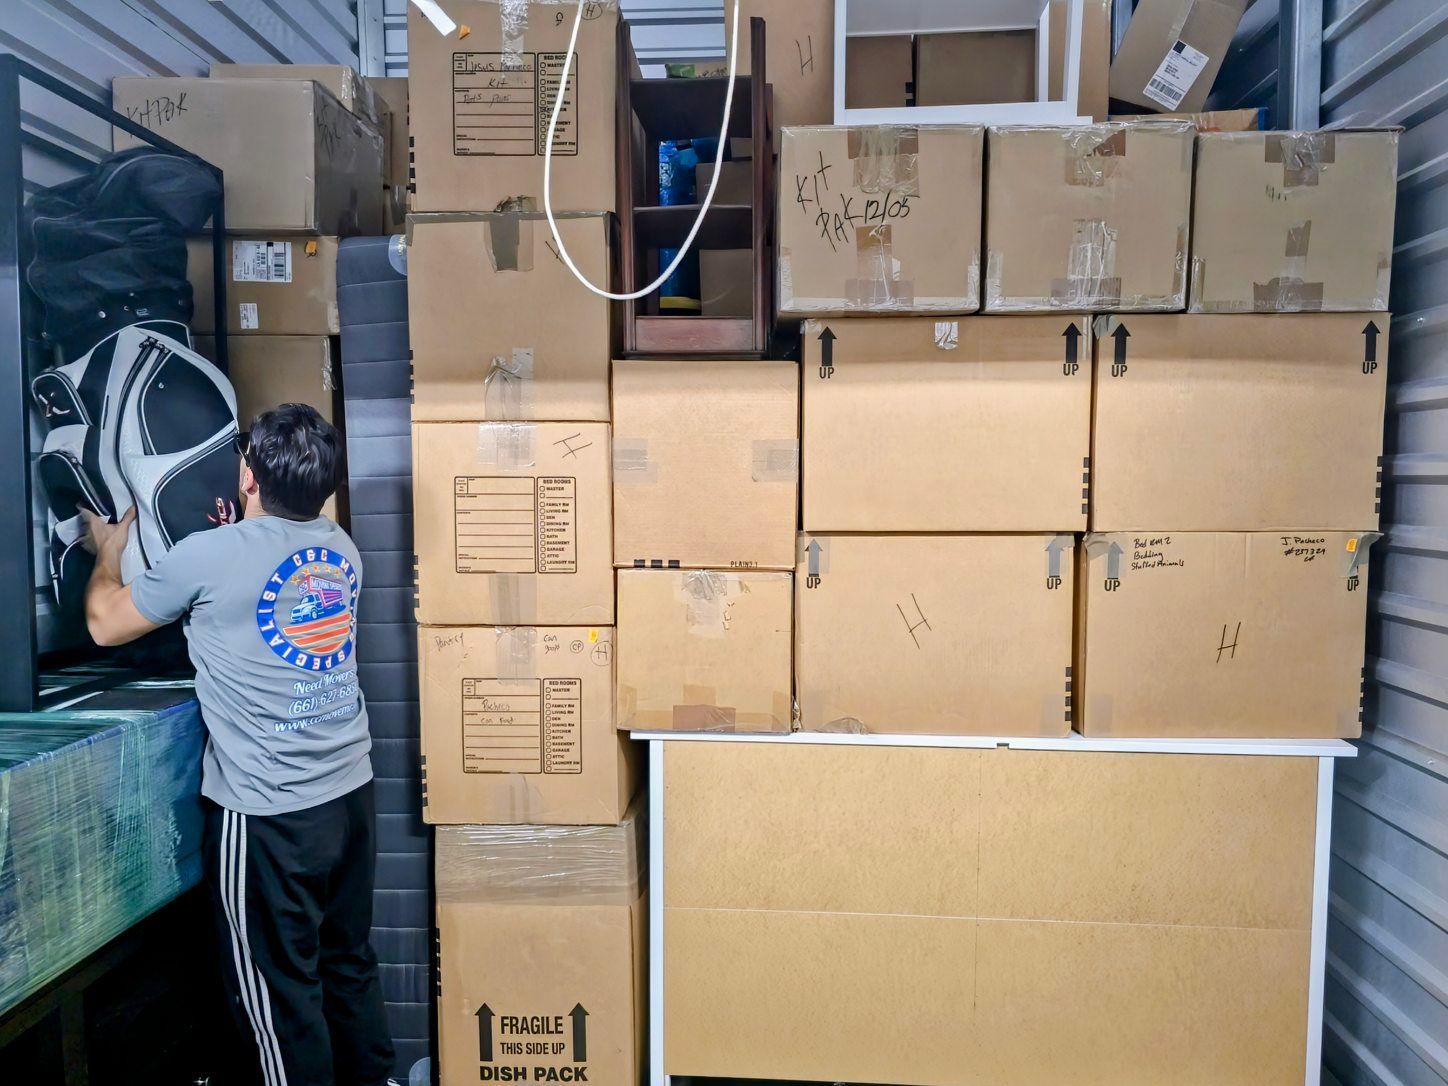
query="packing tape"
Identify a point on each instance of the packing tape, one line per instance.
(1095, 154)
(523, 208)
(886, 158)
(508, 385)
(877, 283)
(516, 652)
(397, 249)
(845, 725)
(1090, 280)
(947, 335)
(1302, 156)
(703, 593)
(508, 239)
(699, 715)
(514, 598)
(786, 280)
(1357, 549)
(631, 463)
(1286, 294)
(329, 375)
(775, 461)
(513, 24)
(508, 446)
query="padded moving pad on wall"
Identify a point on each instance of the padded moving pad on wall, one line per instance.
(377, 382)
(100, 825)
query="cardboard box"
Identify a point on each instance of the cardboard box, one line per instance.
(1092, 97)
(705, 464)
(942, 917)
(296, 160)
(704, 651)
(1213, 120)
(1293, 221)
(397, 154)
(935, 634)
(879, 71)
(349, 88)
(879, 219)
(736, 182)
(1088, 218)
(1172, 52)
(275, 286)
(1238, 423)
(542, 952)
(974, 68)
(517, 726)
(511, 523)
(726, 282)
(500, 328)
(480, 106)
(266, 371)
(976, 425)
(800, 65)
(269, 370)
(1191, 634)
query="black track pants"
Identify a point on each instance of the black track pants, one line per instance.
(293, 906)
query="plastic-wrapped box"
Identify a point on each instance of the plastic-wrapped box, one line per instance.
(100, 825)
(541, 952)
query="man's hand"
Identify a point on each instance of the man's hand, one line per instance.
(101, 535)
(110, 612)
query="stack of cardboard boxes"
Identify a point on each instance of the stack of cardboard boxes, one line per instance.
(525, 775)
(1225, 459)
(286, 211)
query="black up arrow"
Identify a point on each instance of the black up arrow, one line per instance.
(1121, 335)
(814, 557)
(580, 1033)
(827, 352)
(485, 1034)
(1073, 342)
(1370, 342)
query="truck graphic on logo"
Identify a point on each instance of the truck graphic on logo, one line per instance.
(319, 598)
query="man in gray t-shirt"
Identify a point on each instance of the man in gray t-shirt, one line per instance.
(270, 605)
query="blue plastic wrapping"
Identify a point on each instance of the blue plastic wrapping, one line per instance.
(100, 825)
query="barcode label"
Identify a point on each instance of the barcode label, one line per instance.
(1175, 75)
(246, 311)
(261, 261)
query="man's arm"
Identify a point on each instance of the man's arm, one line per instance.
(110, 612)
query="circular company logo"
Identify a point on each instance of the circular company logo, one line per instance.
(305, 610)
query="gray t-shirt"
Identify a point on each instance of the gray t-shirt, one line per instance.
(271, 620)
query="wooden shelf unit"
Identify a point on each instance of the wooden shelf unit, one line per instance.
(649, 112)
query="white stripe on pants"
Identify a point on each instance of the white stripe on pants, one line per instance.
(255, 998)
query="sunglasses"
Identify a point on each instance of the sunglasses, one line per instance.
(241, 443)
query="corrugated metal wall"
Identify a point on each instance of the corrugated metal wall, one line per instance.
(1386, 62)
(86, 43)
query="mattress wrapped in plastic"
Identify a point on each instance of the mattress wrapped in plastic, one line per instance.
(100, 825)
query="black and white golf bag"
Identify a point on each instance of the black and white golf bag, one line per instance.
(140, 419)
(134, 416)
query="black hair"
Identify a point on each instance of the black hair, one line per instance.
(296, 456)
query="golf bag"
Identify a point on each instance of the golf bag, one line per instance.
(135, 417)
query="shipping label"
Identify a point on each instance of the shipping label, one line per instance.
(246, 313)
(511, 524)
(502, 103)
(522, 725)
(1175, 75)
(261, 261)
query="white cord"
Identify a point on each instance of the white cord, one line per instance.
(713, 181)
